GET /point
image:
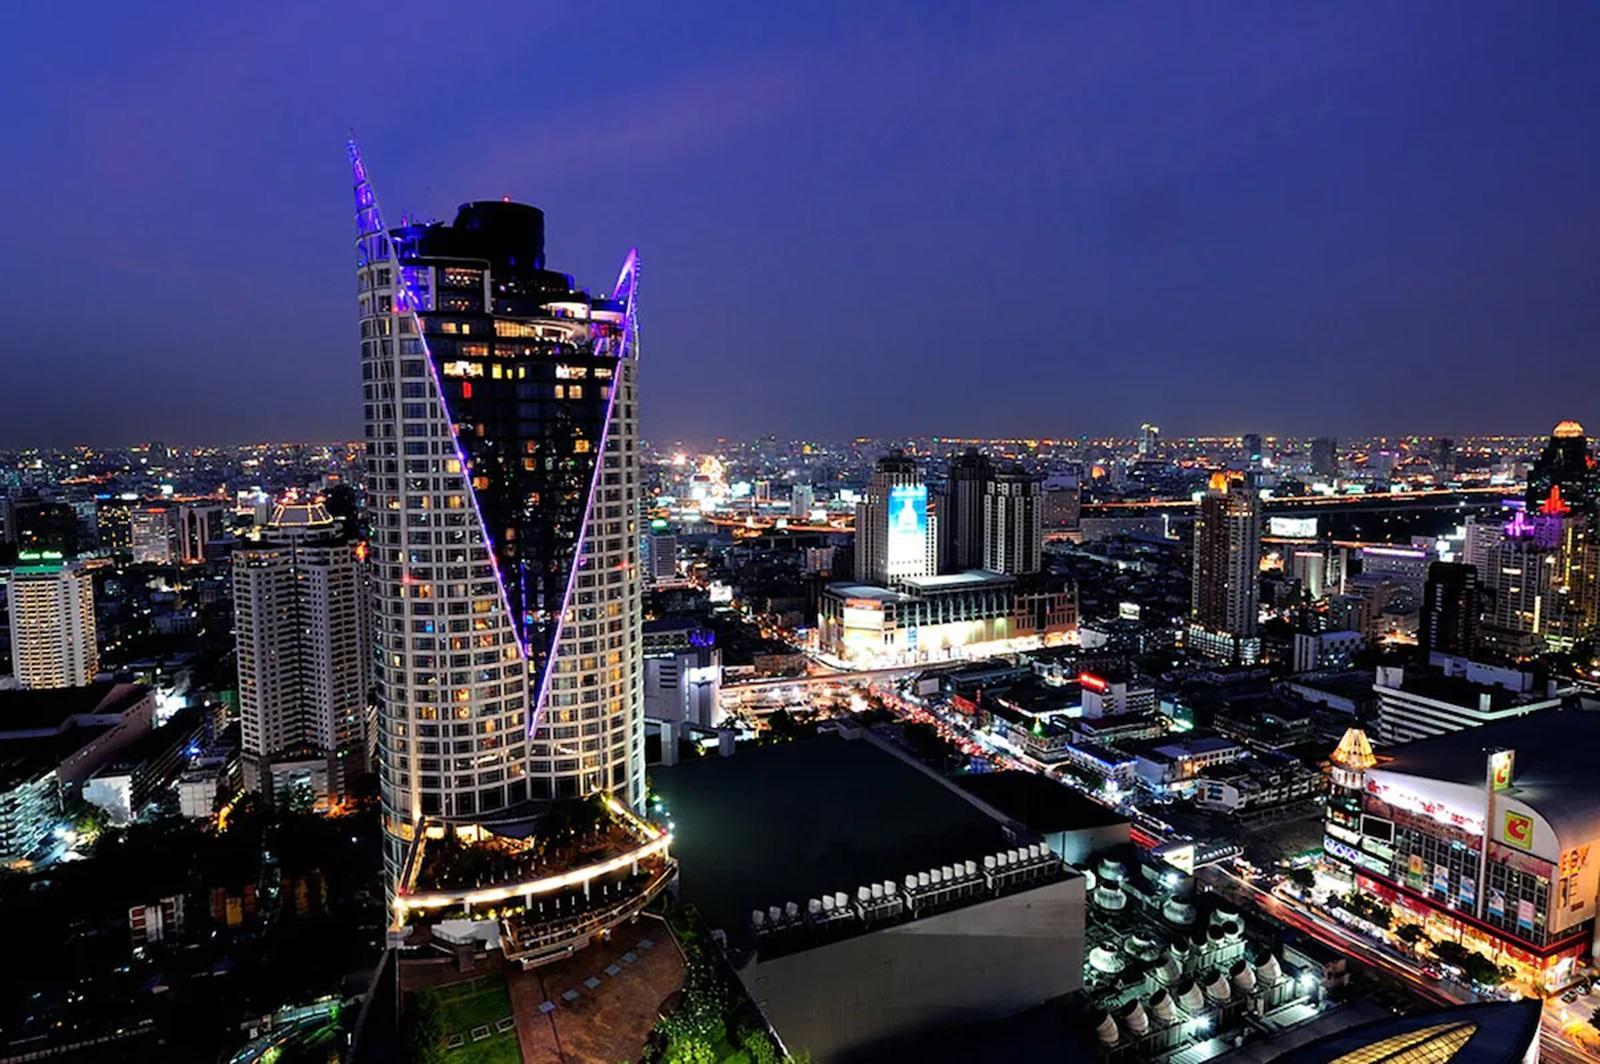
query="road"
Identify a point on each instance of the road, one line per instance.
(1565, 1036)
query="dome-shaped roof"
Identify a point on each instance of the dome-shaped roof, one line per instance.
(1566, 430)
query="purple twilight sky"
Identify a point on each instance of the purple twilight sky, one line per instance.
(993, 218)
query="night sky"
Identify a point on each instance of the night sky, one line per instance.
(992, 218)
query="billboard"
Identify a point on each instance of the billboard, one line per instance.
(1500, 765)
(1517, 830)
(1292, 527)
(908, 525)
(1575, 890)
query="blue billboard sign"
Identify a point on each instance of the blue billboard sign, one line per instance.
(908, 525)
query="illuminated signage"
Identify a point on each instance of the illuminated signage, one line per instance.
(856, 617)
(1180, 857)
(1517, 830)
(1091, 681)
(1292, 527)
(1500, 765)
(1411, 800)
(908, 525)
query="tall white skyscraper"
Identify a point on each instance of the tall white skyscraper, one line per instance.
(301, 618)
(51, 604)
(502, 473)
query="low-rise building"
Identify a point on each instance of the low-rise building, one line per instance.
(1315, 651)
(1451, 694)
(51, 741)
(1169, 768)
(1258, 786)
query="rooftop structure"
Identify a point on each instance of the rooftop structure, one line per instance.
(865, 899)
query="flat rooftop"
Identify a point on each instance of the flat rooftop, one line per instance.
(24, 711)
(791, 821)
(868, 591)
(957, 581)
(1459, 691)
(1042, 804)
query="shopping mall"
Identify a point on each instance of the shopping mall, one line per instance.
(939, 618)
(1483, 835)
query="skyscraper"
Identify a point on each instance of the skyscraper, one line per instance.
(895, 536)
(1225, 593)
(1149, 440)
(51, 604)
(153, 534)
(198, 523)
(1013, 522)
(1449, 621)
(502, 469)
(970, 474)
(1567, 465)
(300, 629)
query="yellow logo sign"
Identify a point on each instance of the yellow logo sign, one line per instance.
(1500, 763)
(1517, 830)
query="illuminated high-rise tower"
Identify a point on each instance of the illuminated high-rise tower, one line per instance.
(502, 474)
(52, 622)
(1225, 592)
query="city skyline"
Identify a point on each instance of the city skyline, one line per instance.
(1294, 193)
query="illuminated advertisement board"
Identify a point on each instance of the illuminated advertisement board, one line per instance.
(1500, 765)
(908, 525)
(1292, 527)
(1517, 830)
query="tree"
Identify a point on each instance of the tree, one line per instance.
(1304, 878)
(422, 1034)
(1410, 934)
(1594, 1019)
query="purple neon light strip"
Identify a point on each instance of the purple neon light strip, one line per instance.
(412, 302)
(630, 272)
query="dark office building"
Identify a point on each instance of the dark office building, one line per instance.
(1324, 457)
(1444, 456)
(1565, 464)
(1251, 444)
(1449, 621)
(970, 474)
(46, 526)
